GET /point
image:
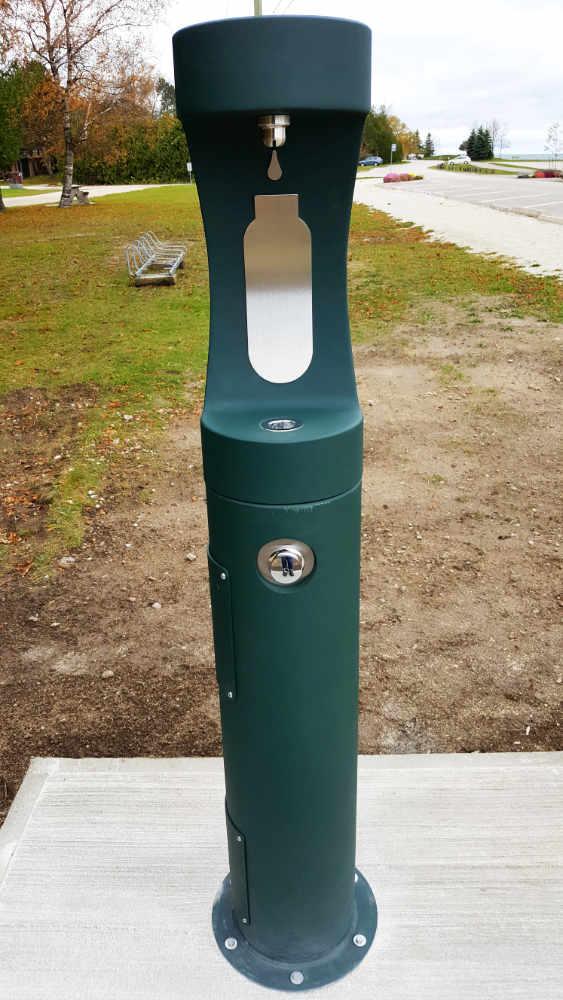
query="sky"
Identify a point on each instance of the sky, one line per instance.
(442, 66)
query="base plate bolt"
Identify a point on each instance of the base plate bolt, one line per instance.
(245, 920)
(296, 978)
(360, 940)
(231, 943)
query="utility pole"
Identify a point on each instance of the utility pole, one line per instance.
(257, 8)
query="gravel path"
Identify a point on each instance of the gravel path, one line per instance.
(534, 244)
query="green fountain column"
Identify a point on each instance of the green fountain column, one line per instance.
(273, 110)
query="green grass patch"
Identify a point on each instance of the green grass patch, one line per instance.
(109, 363)
(394, 267)
(9, 193)
(55, 180)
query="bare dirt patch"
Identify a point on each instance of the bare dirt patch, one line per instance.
(461, 592)
(37, 430)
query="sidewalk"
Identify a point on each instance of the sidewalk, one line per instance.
(52, 196)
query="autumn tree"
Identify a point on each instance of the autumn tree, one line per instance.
(381, 130)
(82, 44)
(42, 122)
(136, 140)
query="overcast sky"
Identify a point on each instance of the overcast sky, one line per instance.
(441, 65)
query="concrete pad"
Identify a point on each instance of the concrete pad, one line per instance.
(108, 869)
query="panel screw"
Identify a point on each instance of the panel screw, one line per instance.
(223, 576)
(360, 940)
(245, 920)
(296, 978)
(231, 943)
(239, 840)
(229, 694)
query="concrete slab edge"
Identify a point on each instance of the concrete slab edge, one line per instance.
(22, 808)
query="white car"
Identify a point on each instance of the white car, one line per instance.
(462, 158)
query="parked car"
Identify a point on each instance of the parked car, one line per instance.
(370, 161)
(462, 158)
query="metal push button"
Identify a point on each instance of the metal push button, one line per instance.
(285, 561)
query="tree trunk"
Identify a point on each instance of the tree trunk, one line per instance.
(2, 205)
(66, 194)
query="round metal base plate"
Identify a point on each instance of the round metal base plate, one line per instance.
(301, 975)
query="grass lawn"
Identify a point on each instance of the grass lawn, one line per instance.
(91, 368)
(52, 179)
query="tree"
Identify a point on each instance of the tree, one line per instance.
(41, 121)
(554, 142)
(405, 138)
(482, 147)
(429, 147)
(16, 82)
(380, 132)
(80, 44)
(131, 142)
(498, 132)
(166, 93)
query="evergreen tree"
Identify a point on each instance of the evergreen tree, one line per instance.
(166, 93)
(471, 144)
(490, 144)
(482, 144)
(428, 146)
(417, 143)
(16, 83)
(378, 135)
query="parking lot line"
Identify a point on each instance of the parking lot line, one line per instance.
(543, 204)
(470, 192)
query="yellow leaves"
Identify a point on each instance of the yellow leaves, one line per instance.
(9, 538)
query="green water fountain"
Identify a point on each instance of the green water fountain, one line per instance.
(273, 109)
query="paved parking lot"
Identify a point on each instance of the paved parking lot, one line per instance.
(533, 196)
(537, 197)
(466, 209)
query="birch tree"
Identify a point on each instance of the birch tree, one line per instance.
(498, 132)
(81, 44)
(554, 143)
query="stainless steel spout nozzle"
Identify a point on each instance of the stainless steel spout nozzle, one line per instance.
(273, 129)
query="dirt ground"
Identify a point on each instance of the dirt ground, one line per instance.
(461, 596)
